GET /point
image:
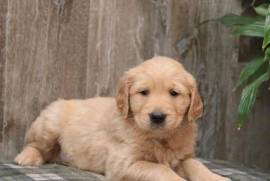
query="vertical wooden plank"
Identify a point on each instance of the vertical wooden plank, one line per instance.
(23, 42)
(117, 41)
(216, 57)
(3, 16)
(46, 59)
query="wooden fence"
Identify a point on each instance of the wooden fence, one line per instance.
(79, 48)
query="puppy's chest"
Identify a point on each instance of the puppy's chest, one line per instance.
(166, 153)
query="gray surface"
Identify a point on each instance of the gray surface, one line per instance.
(236, 172)
(78, 49)
(9, 171)
(12, 172)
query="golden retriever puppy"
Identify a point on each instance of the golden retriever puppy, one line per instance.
(146, 133)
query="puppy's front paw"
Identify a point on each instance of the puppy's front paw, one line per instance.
(29, 157)
(220, 178)
(224, 179)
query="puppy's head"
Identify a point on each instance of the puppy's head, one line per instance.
(158, 95)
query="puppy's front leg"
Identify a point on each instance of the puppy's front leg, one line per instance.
(196, 171)
(147, 171)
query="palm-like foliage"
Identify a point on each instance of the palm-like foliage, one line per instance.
(256, 71)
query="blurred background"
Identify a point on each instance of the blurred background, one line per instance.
(54, 49)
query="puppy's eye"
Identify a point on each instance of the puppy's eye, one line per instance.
(144, 92)
(174, 93)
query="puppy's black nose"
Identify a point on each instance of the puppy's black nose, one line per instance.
(157, 117)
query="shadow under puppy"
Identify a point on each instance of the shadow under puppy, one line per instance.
(147, 132)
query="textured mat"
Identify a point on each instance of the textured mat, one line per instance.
(12, 172)
(236, 172)
(55, 172)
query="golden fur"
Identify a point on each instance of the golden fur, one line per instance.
(115, 137)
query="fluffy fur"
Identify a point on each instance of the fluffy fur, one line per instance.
(115, 137)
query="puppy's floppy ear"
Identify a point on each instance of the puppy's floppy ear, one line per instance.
(196, 106)
(122, 95)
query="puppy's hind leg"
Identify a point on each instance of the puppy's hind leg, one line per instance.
(41, 141)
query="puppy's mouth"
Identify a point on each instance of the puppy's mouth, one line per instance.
(165, 126)
(157, 126)
(149, 125)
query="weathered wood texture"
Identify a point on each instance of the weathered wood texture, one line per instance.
(3, 12)
(76, 49)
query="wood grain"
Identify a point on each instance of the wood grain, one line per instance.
(3, 15)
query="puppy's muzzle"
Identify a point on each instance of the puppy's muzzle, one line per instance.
(157, 117)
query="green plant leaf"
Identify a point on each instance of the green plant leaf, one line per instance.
(255, 29)
(261, 9)
(249, 70)
(232, 20)
(257, 71)
(244, 25)
(248, 97)
(253, 2)
(267, 53)
(266, 40)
